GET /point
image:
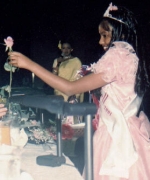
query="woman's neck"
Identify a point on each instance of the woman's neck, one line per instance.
(67, 57)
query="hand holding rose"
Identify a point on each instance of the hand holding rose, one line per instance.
(19, 60)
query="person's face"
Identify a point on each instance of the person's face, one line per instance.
(105, 37)
(66, 49)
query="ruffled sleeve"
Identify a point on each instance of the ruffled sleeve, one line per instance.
(117, 64)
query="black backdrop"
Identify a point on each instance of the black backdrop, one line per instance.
(37, 25)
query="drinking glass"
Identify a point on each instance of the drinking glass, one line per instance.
(5, 130)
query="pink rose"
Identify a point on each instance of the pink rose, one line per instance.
(9, 43)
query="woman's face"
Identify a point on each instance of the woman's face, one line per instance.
(105, 37)
(66, 49)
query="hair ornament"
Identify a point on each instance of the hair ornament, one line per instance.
(59, 45)
(112, 8)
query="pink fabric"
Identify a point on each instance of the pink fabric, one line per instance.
(140, 131)
(96, 118)
(119, 66)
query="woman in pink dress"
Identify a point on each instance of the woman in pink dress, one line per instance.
(122, 139)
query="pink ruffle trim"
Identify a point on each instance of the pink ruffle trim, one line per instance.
(118, 64)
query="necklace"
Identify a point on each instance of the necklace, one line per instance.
(67, 57)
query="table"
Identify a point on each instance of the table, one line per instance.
(58, 107)
(28, 164)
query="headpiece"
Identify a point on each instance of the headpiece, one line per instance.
(59, 45)
(112, 8)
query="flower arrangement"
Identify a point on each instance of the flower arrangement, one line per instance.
(40, 134)
(67, 131)
(44, 133)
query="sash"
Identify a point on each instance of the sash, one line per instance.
(122, 154)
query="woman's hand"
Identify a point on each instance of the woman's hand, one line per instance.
(3, 110)
(59, 60)
(19, 60)
(55, 71)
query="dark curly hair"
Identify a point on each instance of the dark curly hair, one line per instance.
(127, 30)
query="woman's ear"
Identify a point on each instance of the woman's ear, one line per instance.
(71, 50)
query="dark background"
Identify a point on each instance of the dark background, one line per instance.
(37, 25)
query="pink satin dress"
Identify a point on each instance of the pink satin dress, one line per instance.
(122, 140)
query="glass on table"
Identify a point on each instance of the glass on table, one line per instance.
(9, 125)
(5, 130)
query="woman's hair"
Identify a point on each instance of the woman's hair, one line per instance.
(125, 28)
(68, 41)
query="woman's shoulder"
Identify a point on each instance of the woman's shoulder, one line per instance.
(122, 46)
(118, 63)
(76, 60)
(120, 51)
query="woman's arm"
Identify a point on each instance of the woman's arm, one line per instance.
(3, 110)
(56, 65)
(84, 84)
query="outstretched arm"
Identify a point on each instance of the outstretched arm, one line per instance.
(84, 84)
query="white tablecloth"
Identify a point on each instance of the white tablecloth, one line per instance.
(28, 164)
